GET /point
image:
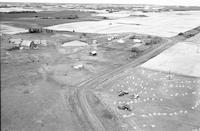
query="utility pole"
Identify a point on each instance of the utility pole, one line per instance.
(169, 75)
(198, 49)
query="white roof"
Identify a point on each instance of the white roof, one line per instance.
(109, 39)
(93, 52)
(37, 42)
(75, 43)
(26, 43)
(43, 42)
(137, 40)
(78, 66)
(94, 41)
(120, 41)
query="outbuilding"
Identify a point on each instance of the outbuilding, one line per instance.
(15, 42)
(137, 41)
(93, 53)
(27, 44)
(94, 41)
(43, 42)
(120, 41)
(79, 66)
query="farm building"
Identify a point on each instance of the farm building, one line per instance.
(37, 42)
(137, 41)
(93, 53)
(120, 41)
(79, 66)
(43, 42)
(94, 41)
(40, 42)
(15, 42)
(27, 44)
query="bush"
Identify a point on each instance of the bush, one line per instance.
(147, 42)
(154, 40)
(132, 37)
(136, 50)
(105, 18)
(84, 34)
(149, 36)
(180, 34)
(72, 17)
(35, 30)
(190, 33)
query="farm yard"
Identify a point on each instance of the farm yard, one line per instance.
(45, 75)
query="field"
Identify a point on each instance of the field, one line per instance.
(62, 85)
(45, 18)
(11, 30)
(154, 24)
(182, 58)
(164, 103)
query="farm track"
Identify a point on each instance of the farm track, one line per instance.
(80, 107)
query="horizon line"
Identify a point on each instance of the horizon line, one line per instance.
(98, 3)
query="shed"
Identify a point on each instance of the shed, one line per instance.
(137, 41)
(43, 42)
(94, 41)
(93, 53)
(37, 42)
(79, 66)
(27, 44)
(40, 42)
(120, 41)
(109, 39)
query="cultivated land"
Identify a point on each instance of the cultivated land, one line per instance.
(42, 90)
(153, 24)
(182, 58)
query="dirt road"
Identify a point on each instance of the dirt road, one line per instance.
(80, 106)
